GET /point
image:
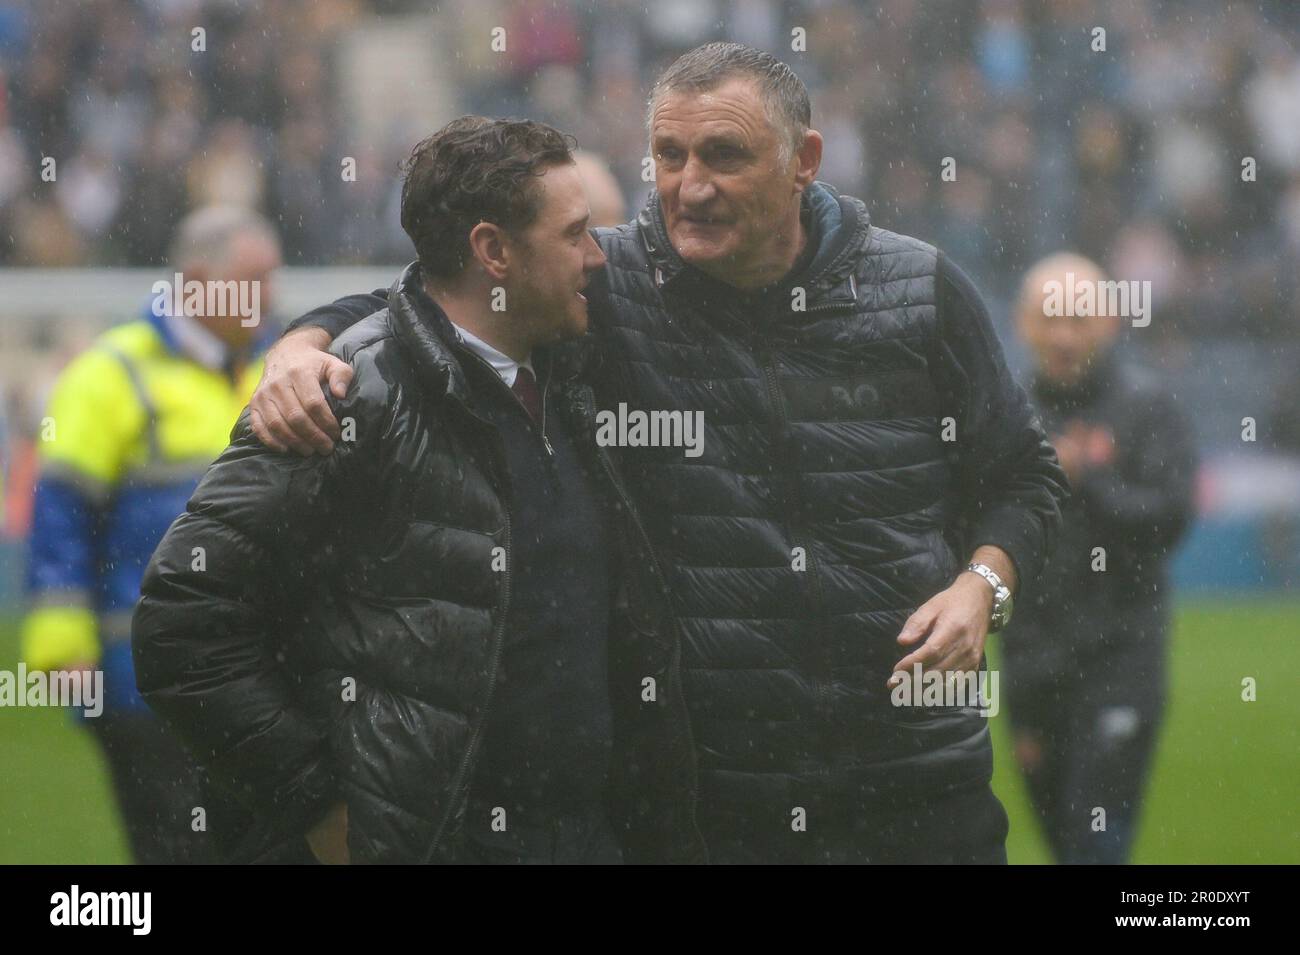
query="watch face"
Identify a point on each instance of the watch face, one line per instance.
(1001, 608)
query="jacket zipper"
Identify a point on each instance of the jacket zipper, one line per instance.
(589, 409)
(821, 678)
(546, 387)
(830, 307)
(460, 782)
(768, 365)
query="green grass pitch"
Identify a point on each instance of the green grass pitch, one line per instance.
(1224, 789)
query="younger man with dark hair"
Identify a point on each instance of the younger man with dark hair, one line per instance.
(401, 649)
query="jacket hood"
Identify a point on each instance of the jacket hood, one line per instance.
(842, 228)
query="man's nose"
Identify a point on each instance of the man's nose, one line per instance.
(697, 183)
(595, 258)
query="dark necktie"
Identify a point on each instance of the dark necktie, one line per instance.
(525, 388)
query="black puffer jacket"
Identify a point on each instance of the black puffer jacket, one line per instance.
(1136, 509)
(329, 627)
(828, 503)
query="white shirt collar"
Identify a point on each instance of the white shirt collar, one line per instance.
(501, 363)
(197, 342)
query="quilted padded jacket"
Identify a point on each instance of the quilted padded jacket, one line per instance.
(330, 628)
(862, 436)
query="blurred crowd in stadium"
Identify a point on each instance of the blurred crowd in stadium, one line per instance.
(1173, 154)
(1128, 155)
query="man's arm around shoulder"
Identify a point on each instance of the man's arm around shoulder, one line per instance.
(288, 409)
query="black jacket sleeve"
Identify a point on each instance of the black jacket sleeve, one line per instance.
(341, 314)
(205, 630)
(1147, 494)
(1010, 484)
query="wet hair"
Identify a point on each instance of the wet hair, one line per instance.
(707, 67)
(475, 170)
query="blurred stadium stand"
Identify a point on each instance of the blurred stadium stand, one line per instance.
(1131, 156)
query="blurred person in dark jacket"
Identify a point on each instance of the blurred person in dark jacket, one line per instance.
(1085, 654)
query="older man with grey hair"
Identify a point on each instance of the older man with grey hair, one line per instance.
(873, 487)
(137, 418)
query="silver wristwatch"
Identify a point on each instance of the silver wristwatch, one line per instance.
(1002, 602)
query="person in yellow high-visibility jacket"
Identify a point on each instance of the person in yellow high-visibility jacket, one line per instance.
(131, 425)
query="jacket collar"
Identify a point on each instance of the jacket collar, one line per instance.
(425, 331)
(843, 227)
(430, 337)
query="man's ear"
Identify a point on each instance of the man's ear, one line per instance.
(808, 159)
(488, 246)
